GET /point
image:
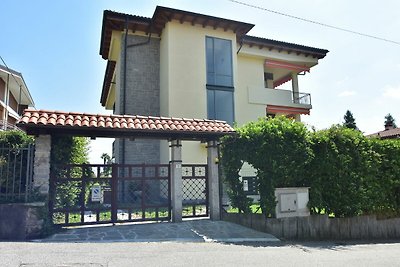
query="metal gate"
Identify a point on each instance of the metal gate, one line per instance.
(16, 173)
(195, 190)
(83, 194)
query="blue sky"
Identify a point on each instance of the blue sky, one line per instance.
(55, 45)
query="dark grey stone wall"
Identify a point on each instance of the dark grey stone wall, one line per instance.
(320, 227)
(142, 95)
(20, 221)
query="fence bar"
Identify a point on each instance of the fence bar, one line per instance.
(15, 173)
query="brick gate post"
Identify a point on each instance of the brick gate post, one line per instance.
(176, 180)
(41, 167)
(213, 180)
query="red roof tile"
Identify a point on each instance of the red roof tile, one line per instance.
(44, 119)
(387, 134)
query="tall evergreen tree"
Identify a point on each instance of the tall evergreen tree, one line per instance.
(349, 120)
(390, 121)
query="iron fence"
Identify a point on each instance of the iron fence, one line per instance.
(16, 174)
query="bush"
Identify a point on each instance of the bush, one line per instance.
(278, 148)
(339, 171)
(15, 139)
(348, 173)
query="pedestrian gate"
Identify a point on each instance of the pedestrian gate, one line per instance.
(95, 193)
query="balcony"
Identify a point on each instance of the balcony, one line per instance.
(4, 126)
(278, 97)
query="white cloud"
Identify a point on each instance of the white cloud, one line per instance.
(347, 93)
(392, 92)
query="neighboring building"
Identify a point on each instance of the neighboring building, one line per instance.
(14, 97)
(389, 133)
(184, 64)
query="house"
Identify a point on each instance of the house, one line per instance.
(14, 97)
(390, 132)
(183, 64)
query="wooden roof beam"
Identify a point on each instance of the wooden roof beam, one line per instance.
(216, 25)
(182, 19)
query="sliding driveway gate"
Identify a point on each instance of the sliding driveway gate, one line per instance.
(94, 194)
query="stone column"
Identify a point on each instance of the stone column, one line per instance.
(41, 169)
(213, 180)
(295, 87)
(176, 180)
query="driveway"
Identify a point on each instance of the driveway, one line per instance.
(188, 231)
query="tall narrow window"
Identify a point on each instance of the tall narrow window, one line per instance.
(220, 105)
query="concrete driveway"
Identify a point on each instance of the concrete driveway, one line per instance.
(203, 230)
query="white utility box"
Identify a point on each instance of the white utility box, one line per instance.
(292, 202)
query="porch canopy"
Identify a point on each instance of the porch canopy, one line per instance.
(45, 122)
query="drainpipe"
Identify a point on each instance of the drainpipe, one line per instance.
(19, 100)
(241, 44)
(126, 46)
(7, 101)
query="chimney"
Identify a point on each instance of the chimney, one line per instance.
(388, 126)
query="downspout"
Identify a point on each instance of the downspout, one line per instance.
(240, 47)
(7, 101)
(126, 46)
(19, 100)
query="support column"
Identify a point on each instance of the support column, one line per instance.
(41, 171)
(295, 87)
(176, 180)
(213, 180)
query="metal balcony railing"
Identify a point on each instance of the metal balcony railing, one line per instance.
(302, 98)
(5, 125)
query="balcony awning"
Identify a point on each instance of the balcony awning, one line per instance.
(287, 110)
(285, 65)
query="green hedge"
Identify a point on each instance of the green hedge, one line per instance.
(348, 173)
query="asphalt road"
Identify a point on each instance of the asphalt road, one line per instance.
(198, 254)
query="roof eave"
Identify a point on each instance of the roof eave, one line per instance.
(87, 131)
(280, 45)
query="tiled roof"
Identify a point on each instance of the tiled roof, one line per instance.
(119, 21)
(387, 134)
(91, 124)
(308, 50)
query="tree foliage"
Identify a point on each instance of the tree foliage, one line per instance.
(348, 173)
(15, 139)
(349, 120)
(390, 121)
(69, 150)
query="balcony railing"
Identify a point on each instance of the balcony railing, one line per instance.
(279, 97)
(5, 125)
(302, 98)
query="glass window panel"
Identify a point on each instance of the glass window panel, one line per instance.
(223, 61)
(219, 61)
(224, 106)
(210, 54)
(210, 105)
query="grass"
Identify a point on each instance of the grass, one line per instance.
(105, 216)
(255, 208)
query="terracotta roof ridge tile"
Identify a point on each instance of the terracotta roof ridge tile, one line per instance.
(113, 121)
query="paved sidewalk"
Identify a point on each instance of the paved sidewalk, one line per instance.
(187, 231)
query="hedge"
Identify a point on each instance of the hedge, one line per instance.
(348, 173)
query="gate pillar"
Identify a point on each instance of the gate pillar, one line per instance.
(176, 180)
(213, 180)
(41, 172)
